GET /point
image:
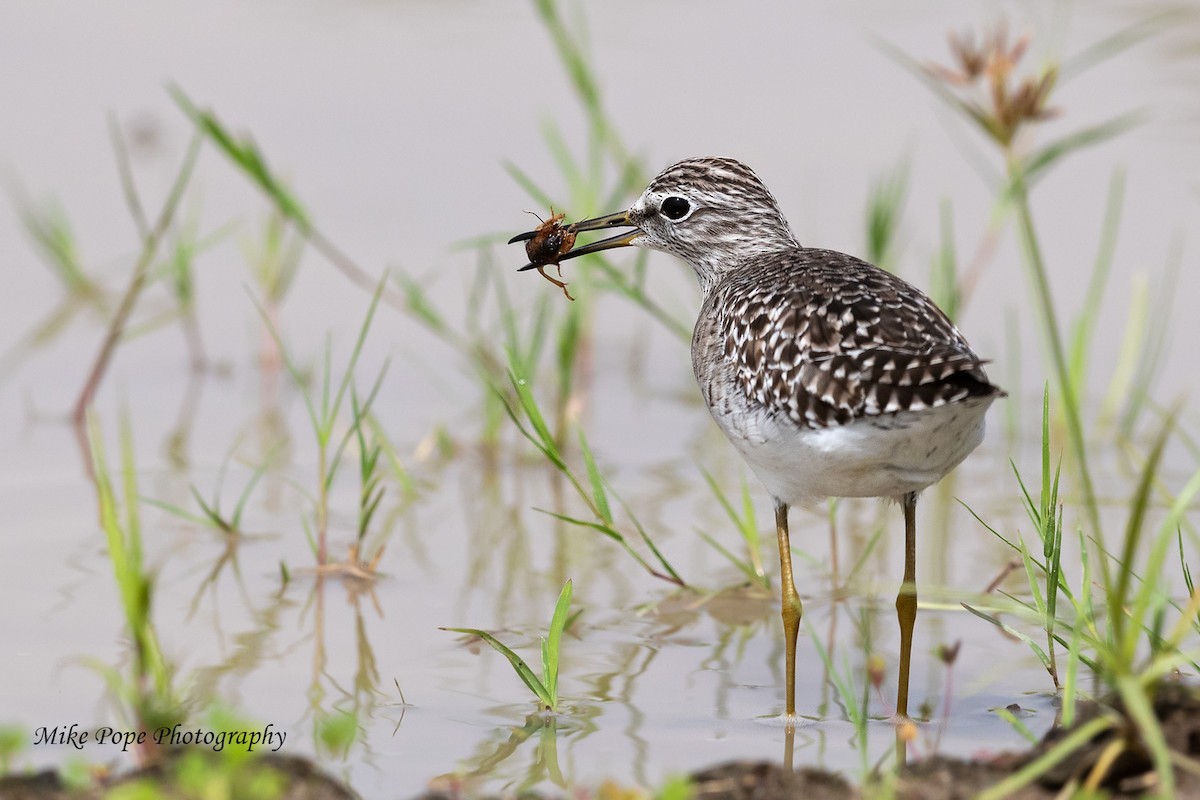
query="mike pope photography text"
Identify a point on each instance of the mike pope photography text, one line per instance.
(174, 736)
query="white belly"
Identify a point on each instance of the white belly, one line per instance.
(885, 456)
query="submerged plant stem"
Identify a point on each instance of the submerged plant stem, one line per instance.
(322, 504)
(350, 268)
(141, 272)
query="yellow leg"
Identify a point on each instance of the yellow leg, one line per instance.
(792, 609)
(906, 604)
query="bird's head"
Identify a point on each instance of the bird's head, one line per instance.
(714, 213)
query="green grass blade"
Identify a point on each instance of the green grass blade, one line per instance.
(746, 524)
(607, 530)
(1120, 386)
(1126, 636)
(1070, 687)
(1040, 765)
(1016, 724)
(843, 683)
(561, 153)
(527, 183)
(1013, 545)
(552, 643)
(533, 413)
(246, 155)
(672, 575)
(419, 306)
(573, 60)
(1031, 508)
(522, 669)
(745, 568)
(1183, 565)
(236, 518)
(204, 520)
(1152, 587)
(1081, 339)
(551, 700)
(1141, 29)
(288, 363)
(212, 513)
(1046, 157)
(872, 543)
(1138, 706)
(1011, 631)
(551, 454)
(1036, 267)
(363, 330)
(1044, 513)
(945, 287)
(357, 414)
(1031, 566)
(1153, 339)
(885, 210)
(598, 494)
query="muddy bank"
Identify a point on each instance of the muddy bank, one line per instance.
(1130, 774)
(270, 776)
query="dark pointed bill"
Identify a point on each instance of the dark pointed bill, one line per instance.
(617, 220)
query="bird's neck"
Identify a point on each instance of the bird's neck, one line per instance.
(713, 266)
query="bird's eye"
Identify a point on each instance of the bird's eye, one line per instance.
(676, 208)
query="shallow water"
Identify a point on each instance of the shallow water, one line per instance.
(391, 121)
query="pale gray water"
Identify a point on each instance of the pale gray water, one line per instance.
(391, 121)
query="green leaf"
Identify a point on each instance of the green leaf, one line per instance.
(1085, 325)
(1141, 29)
(1024, 637)
(721, 498)
(533, 413)
(885, 209)
(594, 477)
(674, 576)
(337, 732)
(1158, 553)
(550, 645)
(746, 568)
(1138, 706)
(348, 374)
(1039, 766)
(1041, 161)
(1017, 725)
(246, 155)
(518, 664)
(527, 183)
(611, 533)
(679, 787)
(1134, 529)
(417, 303)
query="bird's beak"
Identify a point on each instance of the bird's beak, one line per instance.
(620, 219)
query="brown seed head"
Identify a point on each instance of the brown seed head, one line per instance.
(1006, 102)
(971, 60)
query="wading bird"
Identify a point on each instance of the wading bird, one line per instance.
(832, 377)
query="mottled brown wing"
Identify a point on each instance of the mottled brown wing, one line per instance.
(838, 388)
(836, 339)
